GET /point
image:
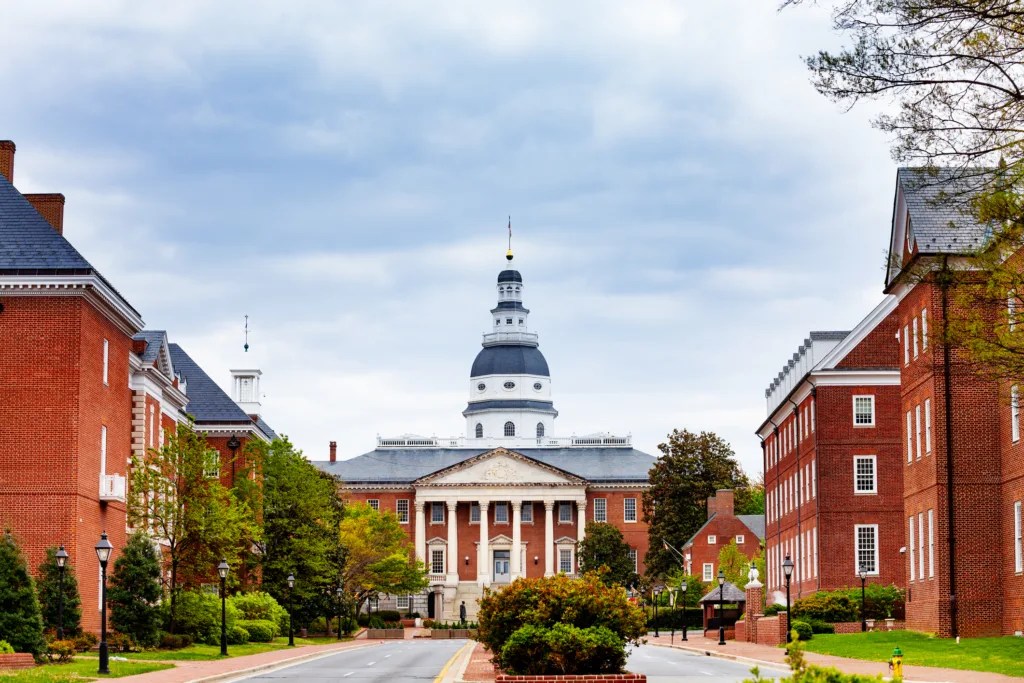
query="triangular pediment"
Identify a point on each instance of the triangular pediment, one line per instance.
(565, 540)
(500, 467)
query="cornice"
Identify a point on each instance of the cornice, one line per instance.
(90, 286)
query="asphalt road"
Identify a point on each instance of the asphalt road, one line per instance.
(665, 665)
(401, 661)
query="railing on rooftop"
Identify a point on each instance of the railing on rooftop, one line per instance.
(588, 441)
(492, 338)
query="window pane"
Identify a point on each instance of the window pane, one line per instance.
(501, 512)
(437, 562)
(864, 410)
(866, 548)
(564, 512)
(437, 512)
(600, 510)
(474, 512)
(527, 511)
(374, 503)
(565, 561)
(864, 473)
(402, 508)
(630, 509)
(632, 556)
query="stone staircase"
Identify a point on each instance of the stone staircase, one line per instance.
(470, 592)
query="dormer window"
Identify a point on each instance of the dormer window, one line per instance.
(508, 321)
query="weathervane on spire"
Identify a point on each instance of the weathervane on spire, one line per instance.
(509, 254)
(246, 347)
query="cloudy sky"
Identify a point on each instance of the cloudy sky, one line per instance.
(685, 207)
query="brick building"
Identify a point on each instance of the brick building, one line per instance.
(509, 499)
(82, 387)
(832, 448)
(700, 552)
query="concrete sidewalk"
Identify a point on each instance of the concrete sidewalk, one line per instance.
(775, 656)
(236, 667)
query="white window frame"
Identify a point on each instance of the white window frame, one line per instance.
(562, 552)
(814, 536)
(920, 543)
(1018, 550)
(626, 510)
(906, 344)
(709, 571)
(433, 559)
(374, 503)
(434, 507)
(857, 479)
(812, 416)
(910, 438)
(152, 421)
(402, 601)
(911, 546)
(636, 560)
(924, 329)
(526, 517)
(871, 399)
(712, 539)
(564, 512)
(403, 515)
(927, 426)
(739, 539)
(915, 337)
(501, 508)
(474, 513)
(917, 428)
(1015, 413)
(857, 549)
(106, 362)
(931, 543)
(600, 509)
(814, 479)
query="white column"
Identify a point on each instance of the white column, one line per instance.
(517, 539)
(483, 565)
(453, 542)
(421, 533)
(581, 524)
(549, 538)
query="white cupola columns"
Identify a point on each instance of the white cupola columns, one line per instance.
(245, 390)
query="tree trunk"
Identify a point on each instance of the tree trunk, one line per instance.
(174, 588)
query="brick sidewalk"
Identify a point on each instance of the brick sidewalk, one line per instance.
(776, 656)
(480, 667)
(183, 672)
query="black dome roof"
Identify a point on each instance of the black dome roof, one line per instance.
(510, 360)
(510, 276)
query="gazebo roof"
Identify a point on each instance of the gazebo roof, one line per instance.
(730, 594)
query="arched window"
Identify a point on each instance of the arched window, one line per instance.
(479, 431)
(540, 429)
(510, 429)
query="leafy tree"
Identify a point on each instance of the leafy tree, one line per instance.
(21, 623)
(301, 513)
(172, 496)
(736, 564)
(378, 555)
(49, 595)
(692, 468)
(604, 550)
(750, 499)
(134, 592)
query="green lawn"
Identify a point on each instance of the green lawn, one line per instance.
(199, 652)
(998, 655)
(82, 669)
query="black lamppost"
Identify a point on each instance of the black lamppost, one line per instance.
(787, 569)
(339, 591)
(103, 550)
(222, 569)
(721, 607)
(62, 559)
(673, 613)
(683, 587)
(863, 573)
(291, 630)
(655, 592)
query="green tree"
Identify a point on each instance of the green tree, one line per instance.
(750, 499)
(134, 592)
(301, 513)
(49, 595)
(692, 468)
(737, 565)
(378, 555)
(21, 623)
(604, 550)
(176, 495)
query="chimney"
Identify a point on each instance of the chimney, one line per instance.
(723, 502)
(7, 159)
(50, 207)
(334, 451)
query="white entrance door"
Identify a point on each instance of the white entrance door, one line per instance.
(501, 566)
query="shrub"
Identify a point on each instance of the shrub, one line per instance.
(261, 606)
(772, 610)
(260, 630)
(198, 616)
(818, 626)
(5, 648)
(171, 641)
(318, 625)
(120, 642)
(428, 623)
(832, 606)
(412, 615)
(563, 649)
(803, 629)
(237, 635)
(388, 614)
(802, 673)
(135, 593)
(49, 591)
(544, 602)
(60, 651)
(85, 641)
(20, 621)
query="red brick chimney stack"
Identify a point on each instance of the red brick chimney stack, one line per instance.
(7, 159)
(334, 451)
(51, 207)
(723, 503)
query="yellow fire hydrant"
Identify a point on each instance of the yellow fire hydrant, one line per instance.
(896, 663)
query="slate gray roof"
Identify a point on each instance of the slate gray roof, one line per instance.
(508, 359)
(936, 204)
(265, 428)
(510, 404)
(153, 339)
(754, 522)
(405, 465)
(727, 592)
(207, 402)
(30, 246)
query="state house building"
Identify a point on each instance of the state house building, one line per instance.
(510, 499)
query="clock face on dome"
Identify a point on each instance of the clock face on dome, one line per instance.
(510, 385)
(481, 386)
(537, 386)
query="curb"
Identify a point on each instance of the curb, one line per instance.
(280, 664)
(467, 658)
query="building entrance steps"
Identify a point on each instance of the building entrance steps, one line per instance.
(468, 591)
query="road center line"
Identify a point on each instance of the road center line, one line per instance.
(371, 663)
(348, 674)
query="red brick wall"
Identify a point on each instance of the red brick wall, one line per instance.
(724, 528)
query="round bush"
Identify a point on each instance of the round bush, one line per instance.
(237, 635)
(60, 651)
(260, 630)
(198, 616)
(563, 650)
(803, 629)
(261, 606)
(5, 648)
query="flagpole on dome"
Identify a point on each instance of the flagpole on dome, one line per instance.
(509, 254)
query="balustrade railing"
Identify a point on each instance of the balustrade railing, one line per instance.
(589, 441)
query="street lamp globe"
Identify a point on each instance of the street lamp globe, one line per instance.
(291, 580)
(103, 549)
(721, 577)
(787, 566)
(862, 572)
(62, 557)
(339, 590)
(223, 568)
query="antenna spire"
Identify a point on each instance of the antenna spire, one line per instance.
(246, 347)
(509, 254)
